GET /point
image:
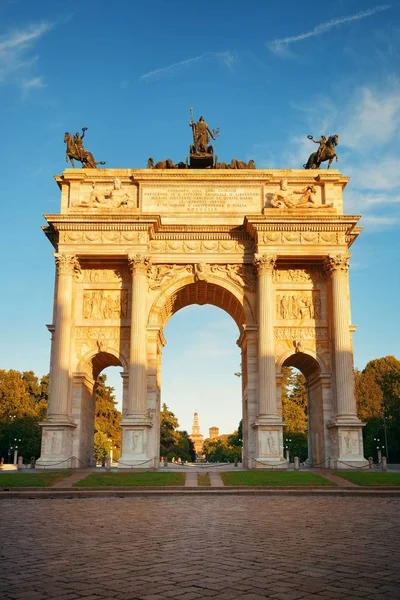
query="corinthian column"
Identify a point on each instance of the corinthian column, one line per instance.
(338, 267)
(266, 344)
(59, 408)
(136, 402)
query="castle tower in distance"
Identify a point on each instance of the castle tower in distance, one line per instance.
(196, 436)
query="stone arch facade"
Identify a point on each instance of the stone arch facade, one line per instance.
(280, 269)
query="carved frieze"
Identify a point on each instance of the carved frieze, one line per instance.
(303, 305)
(105, 304)
(303, 237)
(310, 274)
(109, 333)
(116, 197)
(103, 237)
(204, 246)
(301, 333)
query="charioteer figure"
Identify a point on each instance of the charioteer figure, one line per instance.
(201, 152)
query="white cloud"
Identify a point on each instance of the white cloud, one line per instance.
(16, 54)
(227, 59)
(35, 82)
(279, 46)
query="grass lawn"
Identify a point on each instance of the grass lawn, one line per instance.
(131, 479)
(273, 478)
(203, 479)
(45, 479)
(370, 477)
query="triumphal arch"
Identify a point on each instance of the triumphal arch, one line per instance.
(270, 247)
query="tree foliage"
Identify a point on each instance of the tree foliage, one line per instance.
(23, 404)
(107, 421)
(174, 444)
(294, 401)
(377, 390)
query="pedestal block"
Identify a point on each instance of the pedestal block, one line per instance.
(135, 444)
(346, 443)
(56, 446)
(269, 445)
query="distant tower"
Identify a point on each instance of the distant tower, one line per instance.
(196, 436)
(213, 433)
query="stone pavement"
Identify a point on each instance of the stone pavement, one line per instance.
(223, 547)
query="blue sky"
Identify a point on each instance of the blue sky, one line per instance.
(267, 74)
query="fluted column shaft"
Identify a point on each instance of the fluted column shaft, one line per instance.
(266, 345)
(338, 267)
(67, 265)
(136, 401)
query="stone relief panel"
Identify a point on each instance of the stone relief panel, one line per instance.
(269, 443)
(52, 442)
(308, 275)
(102, 196)
(243, 275)
(349, 442)
(134, 441)
(303, 305)
(103, 237)
(105, 304)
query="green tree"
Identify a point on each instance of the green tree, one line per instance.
(23, 404)
(294, 401)
(169, 438)
(236, 438)
(220, 451)
(377, 390)
(185, 447)
(107, 417)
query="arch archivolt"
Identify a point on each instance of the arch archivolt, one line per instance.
(308, 361)
(203, 284)
(95, 360)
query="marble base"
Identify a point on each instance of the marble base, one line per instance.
(56, 449)
(346, 441)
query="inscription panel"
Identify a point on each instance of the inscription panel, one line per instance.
(198, 198)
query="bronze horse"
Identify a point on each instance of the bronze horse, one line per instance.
(328, 152)
(73, 153)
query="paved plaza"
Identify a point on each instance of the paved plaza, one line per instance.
(223, 547)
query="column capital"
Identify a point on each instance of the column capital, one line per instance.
(139, 263)
(265, 263)
(67, 264)
(338, 262)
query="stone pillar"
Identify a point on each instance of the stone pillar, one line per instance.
(338, 267)
(266, 343)
(268, 424)
(59, 389)
(136, 418)
(58, 426)
(345, 429)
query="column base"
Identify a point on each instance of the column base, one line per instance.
(269, 443)
(56, 452)
(135, 444)
(346, 441)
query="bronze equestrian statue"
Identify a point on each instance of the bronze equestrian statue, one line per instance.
(326, 151)
(76, 151)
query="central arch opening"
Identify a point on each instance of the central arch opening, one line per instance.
(202, 323)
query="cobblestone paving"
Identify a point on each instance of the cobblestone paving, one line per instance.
(223, 547)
